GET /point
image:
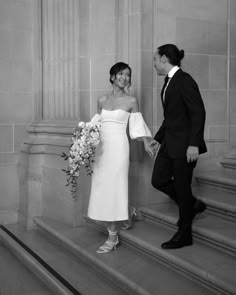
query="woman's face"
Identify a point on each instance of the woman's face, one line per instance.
(122, 78)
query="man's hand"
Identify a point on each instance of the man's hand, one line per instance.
(149, 150)
(151, 147)
(155, 146)
(192, 153)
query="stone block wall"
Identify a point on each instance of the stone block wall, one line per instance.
(16, 96)
(55, 57)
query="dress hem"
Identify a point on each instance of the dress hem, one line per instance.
(109, 220)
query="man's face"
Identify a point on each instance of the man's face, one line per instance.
(159, 64)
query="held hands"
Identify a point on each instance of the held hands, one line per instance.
(151, 147)
(192, 153)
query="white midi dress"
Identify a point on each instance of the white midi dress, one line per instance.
(109, 188)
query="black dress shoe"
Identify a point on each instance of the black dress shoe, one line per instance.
(179, 240)
(199, 207)
(179, 221)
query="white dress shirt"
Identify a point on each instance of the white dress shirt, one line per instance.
(170, 75)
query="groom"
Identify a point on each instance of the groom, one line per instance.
(180, 141)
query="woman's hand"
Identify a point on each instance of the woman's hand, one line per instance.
(151, 147)
(155, 145)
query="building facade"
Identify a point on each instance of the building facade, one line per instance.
(55, 57)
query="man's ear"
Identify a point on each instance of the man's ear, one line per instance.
(113, 78)
(164, 59)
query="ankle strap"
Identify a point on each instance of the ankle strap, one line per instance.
(112, 233)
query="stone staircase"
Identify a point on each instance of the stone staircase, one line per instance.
(15, 278)
(229, 161)
(223, 178)
(140, 266)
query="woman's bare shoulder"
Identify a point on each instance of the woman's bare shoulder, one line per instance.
(132, 99)
(133, 102)
(102, 98)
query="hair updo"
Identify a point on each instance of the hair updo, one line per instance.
(172, 52)
(118, 67)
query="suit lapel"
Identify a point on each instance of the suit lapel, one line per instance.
(170, 86)
(162, 91)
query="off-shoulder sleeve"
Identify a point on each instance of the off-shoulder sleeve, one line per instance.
(96, 118)
(137, 126)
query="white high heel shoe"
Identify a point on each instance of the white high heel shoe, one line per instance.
(108, 246)
(128, 224)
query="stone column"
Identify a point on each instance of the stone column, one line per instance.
(42, 190)
(232, 70)
(60, 45)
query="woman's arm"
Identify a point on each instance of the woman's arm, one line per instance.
(134, 105)
(97, 116)
(146, 140)
(100, 103)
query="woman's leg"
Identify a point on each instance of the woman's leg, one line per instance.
(112, 241)
(113, 228)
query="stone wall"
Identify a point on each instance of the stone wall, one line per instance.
(55, 58)
(16, 95)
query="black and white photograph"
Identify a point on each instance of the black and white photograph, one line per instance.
(117, 147)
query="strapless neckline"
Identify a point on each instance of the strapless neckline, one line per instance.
(116, 110)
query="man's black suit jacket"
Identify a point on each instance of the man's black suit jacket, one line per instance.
(184, 116)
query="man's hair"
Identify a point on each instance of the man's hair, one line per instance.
(172, 52)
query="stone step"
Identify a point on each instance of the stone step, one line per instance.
(220, 179)
(202, 263)
(18, 279)
(229, 161)
(82, 278)
(127, 267)
(213, 230)
(31, 263)
(221, 203)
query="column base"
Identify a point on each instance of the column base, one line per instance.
(42, 190)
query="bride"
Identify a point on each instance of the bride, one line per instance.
(109, 189)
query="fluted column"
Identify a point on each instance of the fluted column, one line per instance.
(60, 44)
(129, 36)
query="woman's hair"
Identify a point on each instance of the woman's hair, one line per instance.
(118, 67)
(172, 52)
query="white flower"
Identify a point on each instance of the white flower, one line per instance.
(89, 124)
(81, 124)
(82, 150)
(83, 138)
(77, 173)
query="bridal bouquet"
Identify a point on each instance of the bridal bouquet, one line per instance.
(86, 137)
